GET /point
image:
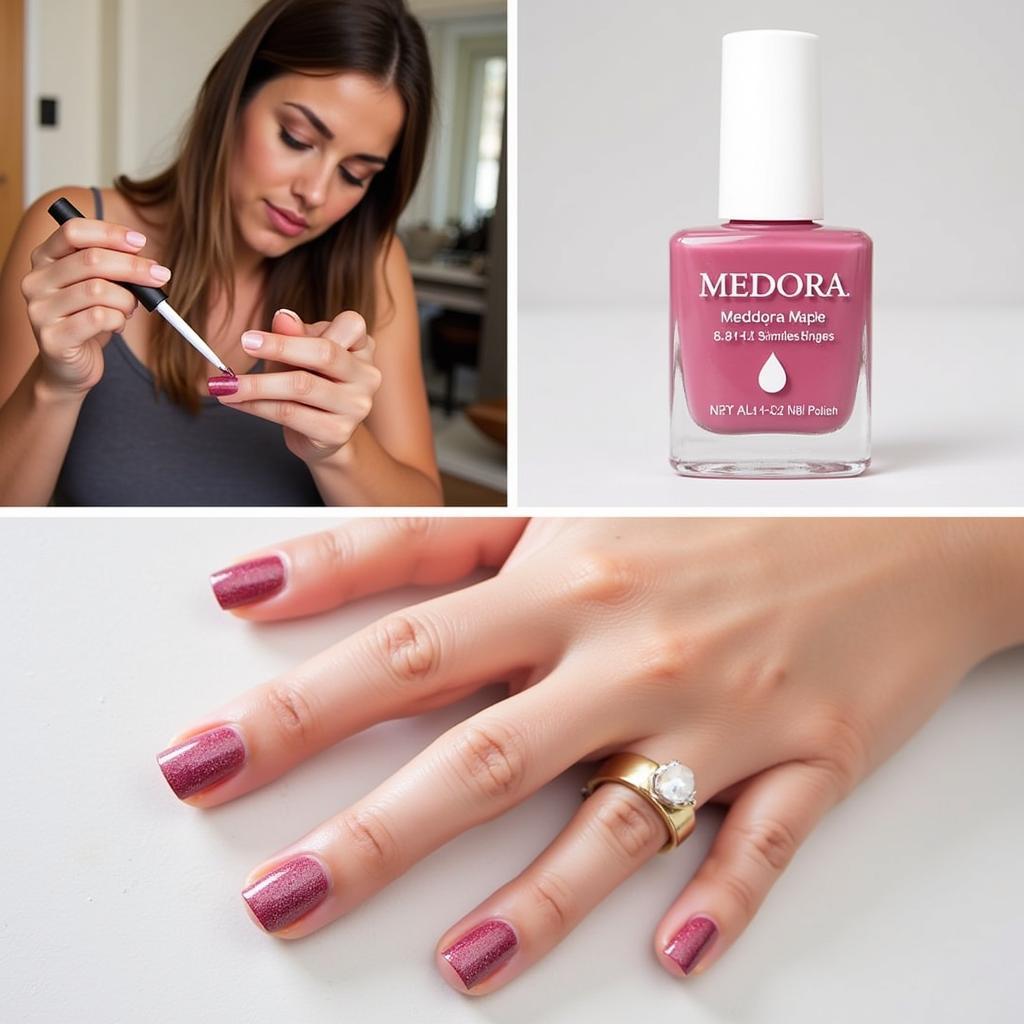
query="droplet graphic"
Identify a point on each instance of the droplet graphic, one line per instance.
(772, 377)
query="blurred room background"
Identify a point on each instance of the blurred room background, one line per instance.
(95, 88)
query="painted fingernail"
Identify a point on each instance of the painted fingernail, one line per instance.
(289, 892)
(480, 952)
(202, 760)
(248, 581)
(251, 341)
(136, 238)
(289, 313)
(159, 273)
(223, 385)
(691, 942)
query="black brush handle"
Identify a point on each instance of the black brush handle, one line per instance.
(62, 210)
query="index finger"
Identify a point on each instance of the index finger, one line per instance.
(83, 233)
(326, 569)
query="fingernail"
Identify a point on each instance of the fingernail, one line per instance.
(248, 581)
(136, 239)
(159, 273)
(202, 760)
(480, 952)
(288, 312)
(287, 893)
(691, 941)
(252, 341)
(222, 385)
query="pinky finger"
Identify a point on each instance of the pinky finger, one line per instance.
(764, 828)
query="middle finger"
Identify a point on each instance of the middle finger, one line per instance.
(321, 355)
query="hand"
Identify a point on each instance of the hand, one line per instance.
(74, 305)
(781, 660)
(319, 405)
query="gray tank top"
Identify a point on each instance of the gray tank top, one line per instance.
(134, 447)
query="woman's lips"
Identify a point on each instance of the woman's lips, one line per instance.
(281, 223)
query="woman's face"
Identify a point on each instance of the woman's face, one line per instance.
(308, 150)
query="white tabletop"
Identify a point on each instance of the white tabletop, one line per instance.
(121, 905)
(948, 415)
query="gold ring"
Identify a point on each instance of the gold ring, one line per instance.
(669, 788)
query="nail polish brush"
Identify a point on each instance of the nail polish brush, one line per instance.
(154, 299)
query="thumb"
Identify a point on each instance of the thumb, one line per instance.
(287, 321)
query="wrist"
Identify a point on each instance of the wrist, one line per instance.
(50, 394)
(989, 557)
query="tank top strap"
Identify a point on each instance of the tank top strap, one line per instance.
(98, 200)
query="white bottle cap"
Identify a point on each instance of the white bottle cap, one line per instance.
(770, 163)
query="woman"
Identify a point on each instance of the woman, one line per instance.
(781, 660)
(279, 214)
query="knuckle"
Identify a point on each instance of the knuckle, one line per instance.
(92, 257)
(28, 283)
(34, 309)
(291, 712)
(94, 288)
(552, 897)
(740, 891)
(372, 837)
(47, 337)
(324, 352)
(667, 657)
(284, 412)
(97, 315)
(301, 384)
(770, 842)
(596, 577)
(353, 322)
(376, 379)
(335, 550)
(627, 825)
(840, 748)
(410, 646)
(490, 759)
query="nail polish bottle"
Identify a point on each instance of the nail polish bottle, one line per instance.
(770, 327)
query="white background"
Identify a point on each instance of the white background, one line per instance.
(618, 149)
(121, 905)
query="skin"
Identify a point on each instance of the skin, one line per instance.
(782, 660)
(351, 405)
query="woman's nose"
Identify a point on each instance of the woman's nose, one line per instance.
(312, 188)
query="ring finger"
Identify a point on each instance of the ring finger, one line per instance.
(293, 387)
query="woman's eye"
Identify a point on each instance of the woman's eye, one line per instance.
(348, 176)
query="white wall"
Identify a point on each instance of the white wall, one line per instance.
(618, 141)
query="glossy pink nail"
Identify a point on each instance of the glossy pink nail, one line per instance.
(248, 581)
(691, 941)
(225, 385)
(202, 760)
(480, 952)
(289, 892)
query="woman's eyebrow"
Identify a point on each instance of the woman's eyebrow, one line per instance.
(328, 134)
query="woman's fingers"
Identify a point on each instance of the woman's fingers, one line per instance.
(763, 829)
(323, 356)
(296, 386)
(84, 232)
(471, 774)
(412, 661)
(613, 834)
(323, 570)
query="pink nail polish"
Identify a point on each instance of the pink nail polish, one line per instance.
(770, 312)
(287, 893)
(480, 952)
(202, 760)
(248, 581)
(225, 385)
(691, 941)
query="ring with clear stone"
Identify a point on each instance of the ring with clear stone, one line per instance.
(669, 788)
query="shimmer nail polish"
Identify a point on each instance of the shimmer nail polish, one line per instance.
(202, 760)
(247, 582)
(480, 952)
(770, 324)
(287, 893)
(691, 942)
(227, 385)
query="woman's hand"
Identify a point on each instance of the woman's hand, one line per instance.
(74, 305)
(782, 660)
(321, 386)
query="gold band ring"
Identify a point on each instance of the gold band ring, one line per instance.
(669, 788)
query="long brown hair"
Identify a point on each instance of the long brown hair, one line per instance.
(334, 271)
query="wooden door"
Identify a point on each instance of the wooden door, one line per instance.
(12, 105)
